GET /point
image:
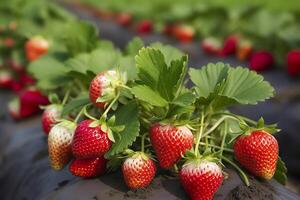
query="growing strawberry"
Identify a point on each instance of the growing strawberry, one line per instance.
(293, 63)
(138, 170)
(257, 152)
(50, 116)
(244, 50)
(144, 27)
(36, 47)
(229, 46)
(261, 61)
(6, 78)
(211, 46)
(59, 144)
(90, 141)
(184, 33)
(124, 19)
(170, 142)
(88, 168)
(105, 85)
(201, 179)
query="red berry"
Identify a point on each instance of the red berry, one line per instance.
(6, 78)
(88, 168)
(201, 179)
(211, 46)
(229, 46)
(244, 50)
(59, 144)
(257, 152)
(138, 171)
(293, 62)
(124, 19)
(184, 33)
(144, 27)
(50, 117)
(90, 141)
(105, 84)
(170, 142)
(261, 61)
(36, 47)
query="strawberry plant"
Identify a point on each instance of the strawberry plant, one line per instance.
(144, 108)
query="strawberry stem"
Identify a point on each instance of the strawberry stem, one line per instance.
(217, 147)
(242, 173)
(110, 105)
(199, 134)
(143, 143)
(78, 115)
(87, 114)
(66, 97)
(217, 124)
(224, 137)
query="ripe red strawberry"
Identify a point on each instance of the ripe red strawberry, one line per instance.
(59, 144)
(144, 27)
(90, 141)
(211, 46)
(244, 50)
(27, 103)
(16, 86)
(124, 19)
(6, 78)
(293, 62)
(170, 142)
(138, 171)
(26, 79)
(261, 61)
(105, 84)
(184, 33)
(36, 47)
(201, 179)
(229, 46)
(168, 29)
(50, 117)
(88, 168)
(257, 152)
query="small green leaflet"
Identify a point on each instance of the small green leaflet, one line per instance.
(280, 173)
(222, 85)
(145, 93)
(126, 116)
(134, 46)
(76, 103)
(80, 37)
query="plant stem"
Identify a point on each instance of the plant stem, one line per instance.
(224, 137)
(217, 147)
(66, 97)
(216, 125)
(143, 142)
(242, 174)
(110, 105)
(199, 134)
(87, 114)
(78, 115)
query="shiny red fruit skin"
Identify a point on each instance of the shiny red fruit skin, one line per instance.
(137, 172)
(88, 168)
(258, 153)
(230, 46)
(50, 117)
(202, 180)
(144, 27)
(99, 85)
(183, 33)
(35, 48)
(261, 61)
(293, 63)
(90, 142)
(170, 142)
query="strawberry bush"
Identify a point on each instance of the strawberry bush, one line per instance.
(144, 110)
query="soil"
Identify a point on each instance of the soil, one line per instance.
(256, 191)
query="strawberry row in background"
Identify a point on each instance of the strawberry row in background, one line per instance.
(23, 36)
(245, 35)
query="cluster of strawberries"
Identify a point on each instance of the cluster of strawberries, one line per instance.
(29, 98)
(86, 143)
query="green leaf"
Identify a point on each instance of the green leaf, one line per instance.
(134, 46)
(126, 116)
(49, 71)
(208, 78)
(184, 99)
(170, 53)
(80, 36)
(246, 87)
(79, 102)
(280, 173)
(148, 95)
(149, 63)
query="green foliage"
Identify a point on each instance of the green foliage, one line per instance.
(280, 173)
